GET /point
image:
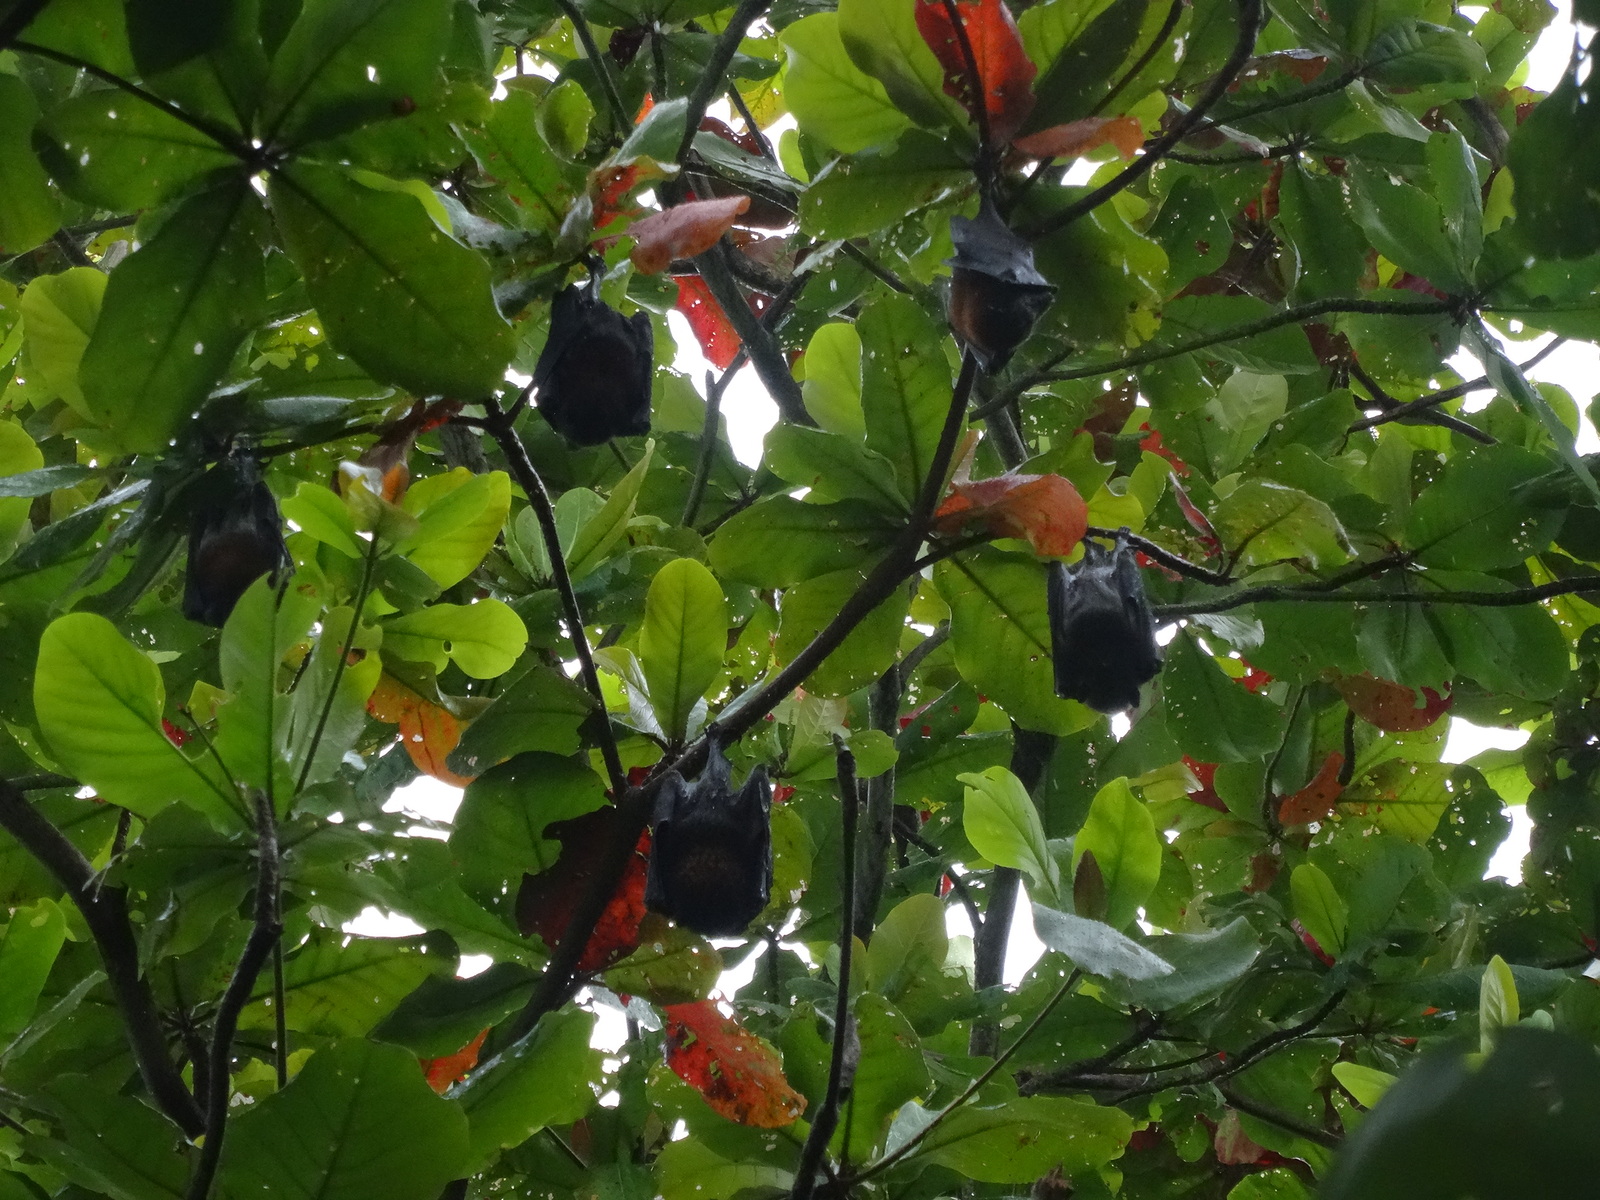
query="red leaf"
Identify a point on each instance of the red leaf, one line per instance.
(1317, 800)
(1205, 775)
(174, 735)
(710, 324)
(1312, 944)
(1198, 521)
(1152, 442)
(611, 188)
(1045, 509)
(450, 1068)
(1390, 706)
(1005, 72)
(1081, 136)
(739, 1074)
(427, 731)
(682, 231)
(546, 900)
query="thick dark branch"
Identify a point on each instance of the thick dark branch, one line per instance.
(1250, 20)
(839, 1062)
(533, 487)
(1165, 557)
(711, 80)
(1289, 316)
(18, 19)
(619, 112)
(763, 349)
(1409, 408)
(105, 911)
(1324, 594)
(264, 932)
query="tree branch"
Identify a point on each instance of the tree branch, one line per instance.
(1272, 1116)
(840, 1064)
(1402, 410)
(760, 345)
(1324, 594)
(1250, 20)
(533, 487)
(711, 80)
(18, 19)
(264, 934)
(619, 113)
(105, 911)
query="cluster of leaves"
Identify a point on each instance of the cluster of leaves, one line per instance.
(328, 233)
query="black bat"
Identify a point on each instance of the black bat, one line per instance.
(593, 375)
(996, 293)
(1102, 634)
(711, 851)
(235, 537)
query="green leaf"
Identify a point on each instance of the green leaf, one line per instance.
(688, 1170)
(869, 650)
(1203, 964)
(834, 467)
(111, 1144)
(499, 828)
(1555, 160)
(890, 1071)
(1279, 1183)
(336, 985)
(110, 150)
(1000, 630)
(459, 516)
(829, 95)
(343, 65)
(1018, 1141)
(174, 314)
(1366, 1084)
(1110, 279)
(832, 387)
(1319, 908)
(909, 940)
(1121, 833)
(1000, 820)
(32, 940)
(1498, 1005)
(58, 315)
(444, 1014)
(1265, 522)
(543, 1079)
(540, 710)
(484, 638)
(683, 640)
(883, 40)
(402, 299)
(1213, 718)
(1096, 947)
(1079, 47)
(359, 1121)
(905, 386)
(1407, 227)
(99, 703)
(675, 966)
(319, 513)
(1281, 351)
(20, 457)
(1413, 54)
(604, 530)
(93, 31)
(782, 541)
(1312, 211)
(563, 118)
(509, 150)
(29, 214)
(1483, 512)
(873, 191)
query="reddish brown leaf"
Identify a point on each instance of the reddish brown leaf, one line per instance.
(682, 231)
(1045, 509)
(739, 1074)
(1005, 72)
(1232, 1145)
(1391, 707)
(1205, 775)
(747, 141)
(427, 731)
(1317, 800)
(609, 190)
(1152, 442)
(1081, 136)
(451, 1068)
(174, 735)
(1312, 944)
(545, 901)
(389, 454)
(712, 329)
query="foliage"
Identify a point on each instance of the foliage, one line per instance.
(328, 234)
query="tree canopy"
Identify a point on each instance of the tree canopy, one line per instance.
(342, 442)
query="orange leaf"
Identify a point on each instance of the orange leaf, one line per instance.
(682, 231)
(427, 731)
(450, 1068)
(1317, 800)
(710, 324)
(1045, 509)
(546, 900)
(1081, 136)
(1391, 706)
(739, 1074)
(1005, 71)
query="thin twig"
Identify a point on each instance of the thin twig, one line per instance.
(712, 76)
(1272, 1116)
(888, 1160)
(264, 933)
(362, 592)
(1321, 593)
(533, 487)
(827, 1115)
(765, 354)
(980, 100)
(1404, 409)
(105, 912)
(1159, 554)
(1250, 20)
(591, 49)
(708, 438)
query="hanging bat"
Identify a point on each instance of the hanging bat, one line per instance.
(593, 375)
(235, 537)
(1102, 634)
(996, 293)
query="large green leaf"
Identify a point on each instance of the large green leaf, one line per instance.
(1212, 717)
(99, 703)
(1264, 522)
(1017, 1141)
(1555, 158)
(339, 986)
(890, 1071)
(547, 1078)
(404, 300)
(29, 214)
(875, 191)
(58, 315)
(484, 638)
(539, 710)
(1121, 834)
(509, 150)
(174, 313)
(1098, 948)
(33, 938)
(682, 643)
(833, 466)
(1489, 508)
(358, 1122)
(905, 386)
(112, 1145)
(1000, 820)
(783, 541)
(869, 650)
(346, 63)
(1203, 964)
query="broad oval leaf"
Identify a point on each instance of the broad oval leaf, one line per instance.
(682, 643)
